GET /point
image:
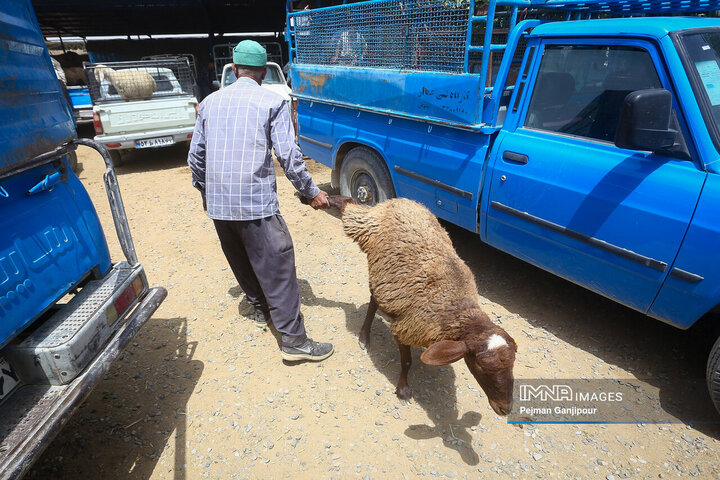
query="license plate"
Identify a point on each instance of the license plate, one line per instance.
(8, 378)
(154, 142)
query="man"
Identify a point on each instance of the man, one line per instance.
(232, 166)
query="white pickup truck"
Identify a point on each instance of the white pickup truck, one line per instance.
(274, 79)
(143, 104)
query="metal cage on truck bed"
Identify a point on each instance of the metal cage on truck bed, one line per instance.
(139, 80)
(223, 54)
(431, 59)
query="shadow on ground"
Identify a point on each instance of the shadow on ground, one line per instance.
(145, 160)
(433, 387)
(152, 159)
(131, 433)
(658, 355)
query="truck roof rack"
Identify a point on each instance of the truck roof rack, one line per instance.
(629, 7)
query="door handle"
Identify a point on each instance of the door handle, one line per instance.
(515, 157)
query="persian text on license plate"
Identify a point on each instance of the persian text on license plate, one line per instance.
(8, 378)
(154, 142)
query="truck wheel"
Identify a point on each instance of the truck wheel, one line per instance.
(713, 374)
(117, 157)
(72, 161)
(364, 177)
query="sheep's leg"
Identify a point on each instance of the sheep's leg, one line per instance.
(403, 389)
(364, 335)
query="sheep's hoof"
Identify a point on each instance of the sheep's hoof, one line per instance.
(363, 341)
(403, 393)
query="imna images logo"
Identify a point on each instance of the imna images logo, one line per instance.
(564, 393)
(545, 393)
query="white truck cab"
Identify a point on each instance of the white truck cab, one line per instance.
(274, 80)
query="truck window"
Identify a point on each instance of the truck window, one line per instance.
(273, 77)
(703, 50)
(580, 89)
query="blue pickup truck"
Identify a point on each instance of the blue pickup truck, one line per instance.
(580, 136)
(66, 309)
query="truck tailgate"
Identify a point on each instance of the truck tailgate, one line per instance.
(146, 116)
(51, 239)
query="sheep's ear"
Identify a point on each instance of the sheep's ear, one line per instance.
(444, 352)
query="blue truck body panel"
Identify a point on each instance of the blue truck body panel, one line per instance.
(638, 202)
(631, 225)
(80, 97)
(36, 117)
(52, 239)
(686, 301)
(451, 156)
(630, 200)
(436, 96)
(81, 104)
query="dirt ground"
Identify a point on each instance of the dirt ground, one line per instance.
(201, 393)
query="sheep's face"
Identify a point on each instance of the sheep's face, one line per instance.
(491, 362)
(490, 356)
(100, 73)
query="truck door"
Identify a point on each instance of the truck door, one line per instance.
(564, 197)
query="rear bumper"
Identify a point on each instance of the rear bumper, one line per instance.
(128, 140)
(44, 409)
(83, 115)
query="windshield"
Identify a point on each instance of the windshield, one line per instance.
(703, 55)
(273, 76)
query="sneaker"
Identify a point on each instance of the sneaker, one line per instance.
(310, 350)
(258, 317)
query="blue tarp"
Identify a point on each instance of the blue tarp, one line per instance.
(35, 115)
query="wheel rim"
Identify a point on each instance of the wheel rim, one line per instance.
(363, 188)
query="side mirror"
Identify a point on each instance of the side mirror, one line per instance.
(644, 122)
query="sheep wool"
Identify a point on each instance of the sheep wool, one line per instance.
(416, 276)
(130, 85)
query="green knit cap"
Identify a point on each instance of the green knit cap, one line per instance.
(250, 53)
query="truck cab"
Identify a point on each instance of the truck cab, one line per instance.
(274, 79)
(562, 187)
(585, 146)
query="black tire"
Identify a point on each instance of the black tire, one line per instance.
(712, 375)
(364, 177)
(117, 157)
(72, 161)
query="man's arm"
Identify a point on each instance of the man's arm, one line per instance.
(287, 151)
(196, 155)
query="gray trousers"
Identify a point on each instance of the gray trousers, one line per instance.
(261, 255)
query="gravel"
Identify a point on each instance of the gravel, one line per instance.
(200, 394)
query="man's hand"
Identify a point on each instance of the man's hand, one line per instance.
(320, 201)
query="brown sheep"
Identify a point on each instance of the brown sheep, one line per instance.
(420, 282)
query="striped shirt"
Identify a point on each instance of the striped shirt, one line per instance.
(230, 156)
